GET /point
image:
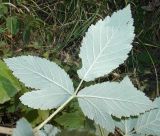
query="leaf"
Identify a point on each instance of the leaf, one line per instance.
(149, 122)
(35, 117)
(7, 90)
(45, 99)
(126, 125)
(146, 124)
(12, 24)
(100, 101)
(76, 132)
(71, 120)
(6, 72)
(2, 30)
(96, 113)
(54, 84)
(9, 85)
(100, 131)
(23, 128)
(3, 10)
(49, 130)
(106, 45)
(26, 34)
(136, 135)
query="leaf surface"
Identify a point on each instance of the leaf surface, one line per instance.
(126, 125)
(53, 83)
(100, 101)
(106, 45)
(101, 131)
(71, 120)
(145, 124)
(149, 122)
(23, 128)
(44, 99)
(9, 85)
(12, 24)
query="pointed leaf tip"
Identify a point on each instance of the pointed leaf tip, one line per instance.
(106, 45)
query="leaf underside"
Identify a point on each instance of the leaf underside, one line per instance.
(149, 122)
(145, 124)
(23, 128)
(44, 99)
(100, 101)
(104, 48)
(126, 125)
(52, 83)
(106, 45)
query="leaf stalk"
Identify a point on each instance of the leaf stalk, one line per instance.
(59, 109)
(54, 113)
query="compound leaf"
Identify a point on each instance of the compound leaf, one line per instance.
(149, 122)
(23, 128)
(53, 83)
(106, 45)
(118, 99)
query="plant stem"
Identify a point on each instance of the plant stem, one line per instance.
(54, 113)
(59, 109)
(78, 87)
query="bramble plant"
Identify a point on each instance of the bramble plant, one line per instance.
(105, 46)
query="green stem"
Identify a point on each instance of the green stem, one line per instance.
(78, 87)
(54, 113)
(59, 109)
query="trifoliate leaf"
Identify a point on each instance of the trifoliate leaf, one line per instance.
(23, 128)
(149, 122)
(106, 45)
(53, 83)
(100, 101)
